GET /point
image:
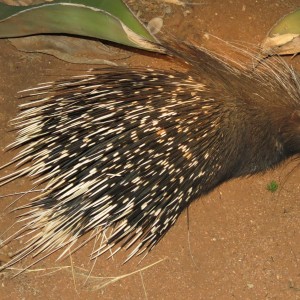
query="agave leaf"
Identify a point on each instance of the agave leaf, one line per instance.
(77, 18)
(120, 10)
(288, 24)
(284, 37)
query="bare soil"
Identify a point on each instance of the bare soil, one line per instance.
(239, 242)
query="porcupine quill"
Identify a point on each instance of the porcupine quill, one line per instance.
(128, 149)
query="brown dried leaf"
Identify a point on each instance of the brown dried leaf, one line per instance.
(70, 49)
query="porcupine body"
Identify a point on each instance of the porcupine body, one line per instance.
(127, 150)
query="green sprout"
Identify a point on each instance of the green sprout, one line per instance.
(272, 186)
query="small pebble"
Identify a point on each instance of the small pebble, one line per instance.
(186, 12)
(168, 9)
(155, 25)
(206, 36)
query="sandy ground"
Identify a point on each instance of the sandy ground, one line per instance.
(243, 241)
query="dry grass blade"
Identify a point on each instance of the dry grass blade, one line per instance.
(110, 280)
(81, 272)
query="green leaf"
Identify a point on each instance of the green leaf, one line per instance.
(288, 24)
(284, 37)
(108, 20)
(272, 186)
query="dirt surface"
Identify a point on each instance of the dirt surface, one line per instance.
(242, 241)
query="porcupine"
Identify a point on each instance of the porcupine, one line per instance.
(128, 149)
